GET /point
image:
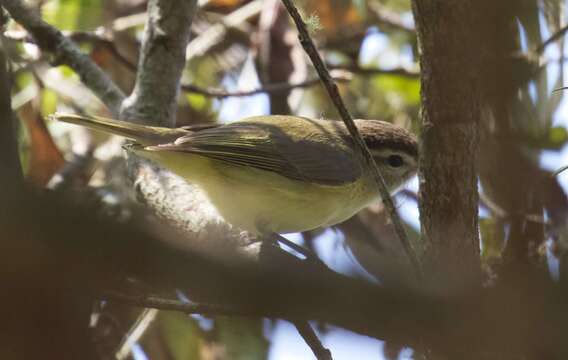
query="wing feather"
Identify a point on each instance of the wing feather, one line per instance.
(309, 154)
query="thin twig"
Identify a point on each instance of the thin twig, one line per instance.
(311, 338)
(557, 35)
(160, 303)
(144, 320)
(52, 40)
(559, 171)
(268, 88)
(356, 69)
(333, 92)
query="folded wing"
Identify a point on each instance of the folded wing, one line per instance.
(310, 150)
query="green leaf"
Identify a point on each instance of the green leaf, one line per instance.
(181, 334)
(492, 238)
(48, 102)
(243, 338)
(73, 14)
(198, 102)
(552, 139)
(407, 89)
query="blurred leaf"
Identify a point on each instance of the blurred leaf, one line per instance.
(396, 5)
(242, 337)
(552, 139)
(407, 89)
(198, 102)
(335, 14)
(24, 79)
(48, 102)
(181, 334)
(73, 14)
(492, 238)
(45, 159)
(361, 7)
(225, 3)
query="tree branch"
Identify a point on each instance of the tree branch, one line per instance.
(450, 140)
(276, 87)
(356, 69)
(162, 59)
(311, 338)
(10, 167)
(65, 51)
(365, 155)
(557, 35)
(155, 302)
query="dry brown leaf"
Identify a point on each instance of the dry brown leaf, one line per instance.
(45, 157)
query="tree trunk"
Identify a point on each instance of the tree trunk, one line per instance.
(449, 141)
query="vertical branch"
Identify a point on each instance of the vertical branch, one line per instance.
(10, 168)
(448, 164)
(162, 59)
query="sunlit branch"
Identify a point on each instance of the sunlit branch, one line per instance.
(162, 58)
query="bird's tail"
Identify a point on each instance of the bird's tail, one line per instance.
(145, 135)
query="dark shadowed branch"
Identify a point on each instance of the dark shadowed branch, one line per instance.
(10, 167)
(311, 338)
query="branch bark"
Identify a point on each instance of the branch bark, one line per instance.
(162, 59)
(153, 102)
(448, 164)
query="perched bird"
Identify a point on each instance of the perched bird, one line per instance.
(275, 173)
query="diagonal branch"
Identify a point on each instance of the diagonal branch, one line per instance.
(65, 51)
(311, 338)
(366, 157)
(554, 37)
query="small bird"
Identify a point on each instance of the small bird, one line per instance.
(275, 174)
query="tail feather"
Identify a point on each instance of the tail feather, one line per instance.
(145, 135)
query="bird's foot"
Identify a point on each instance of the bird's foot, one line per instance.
(272, 241)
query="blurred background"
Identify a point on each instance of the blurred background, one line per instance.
(244, 59)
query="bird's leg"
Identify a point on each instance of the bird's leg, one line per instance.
(306, 253)
(271, 239)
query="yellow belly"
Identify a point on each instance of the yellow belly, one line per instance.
(258, 201)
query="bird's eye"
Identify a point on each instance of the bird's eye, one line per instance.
(395, 161)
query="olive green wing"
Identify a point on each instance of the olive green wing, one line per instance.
(309, 154)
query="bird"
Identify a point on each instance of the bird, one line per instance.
(275, 173)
